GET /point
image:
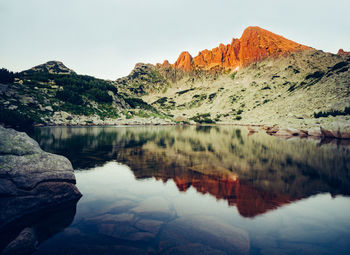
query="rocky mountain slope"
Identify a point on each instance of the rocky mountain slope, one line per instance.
(265, 80)
(52, 94)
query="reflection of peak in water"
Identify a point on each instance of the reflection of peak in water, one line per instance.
(249, 201)
(268, 168)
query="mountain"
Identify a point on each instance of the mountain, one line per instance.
(53, 94)
(254, 45)
(261, 79)
(52, 67)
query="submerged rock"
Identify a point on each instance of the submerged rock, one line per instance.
(184, 232)
(31, 181)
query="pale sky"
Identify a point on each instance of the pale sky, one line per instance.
(106, 38)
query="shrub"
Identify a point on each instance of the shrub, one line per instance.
(233, 75)
(203, 118)
(6, 76)
(333, 113)
(266, 87)
(15, 119)
(138, 102)
(69, 96)
(212, 96)
(184, 91)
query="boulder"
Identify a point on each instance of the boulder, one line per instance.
(337, 129)
(31, 181)
(330, 133)
(315, 131)
(272, 130)
(287, 132)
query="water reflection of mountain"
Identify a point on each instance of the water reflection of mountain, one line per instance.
(255, 173)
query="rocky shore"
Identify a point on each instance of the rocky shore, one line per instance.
(32, 183)
(62, 118)
(335, 129)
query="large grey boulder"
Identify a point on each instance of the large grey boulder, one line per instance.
(31, 180)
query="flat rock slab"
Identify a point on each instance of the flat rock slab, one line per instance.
(154, 208)
(206, 231)
(151, 226)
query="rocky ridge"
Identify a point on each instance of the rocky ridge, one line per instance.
(254, 45)
(343, 53)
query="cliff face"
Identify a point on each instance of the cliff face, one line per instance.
(255, 44)
(343, 53)
(184, 61)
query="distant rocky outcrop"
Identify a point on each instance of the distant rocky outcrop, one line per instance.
(343, 53)
(255, 44)
(53, 67)
(31, 181)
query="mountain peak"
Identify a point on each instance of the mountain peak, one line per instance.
(184, 61)
(53, 66)
(254, 45)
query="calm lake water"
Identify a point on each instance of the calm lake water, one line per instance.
(200, 190)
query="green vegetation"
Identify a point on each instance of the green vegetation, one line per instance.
(233, 99)
(212, 96)
(15, 119)
(197, 100)
(315, 75)
(165, 103)
(161, 101)
(239, 111)
(338, 66)
(138, 102)
(266, 87)
(203, 118)
(73, 87)
(184, 91)
(233, 75)
(292, 86)
(6, 76)
(333, 113)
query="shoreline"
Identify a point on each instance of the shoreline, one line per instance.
(340, 132)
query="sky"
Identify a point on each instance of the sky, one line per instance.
(106, 38)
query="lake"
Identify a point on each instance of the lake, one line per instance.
(199, 190)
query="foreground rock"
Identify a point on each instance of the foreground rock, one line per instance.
(31, 181)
